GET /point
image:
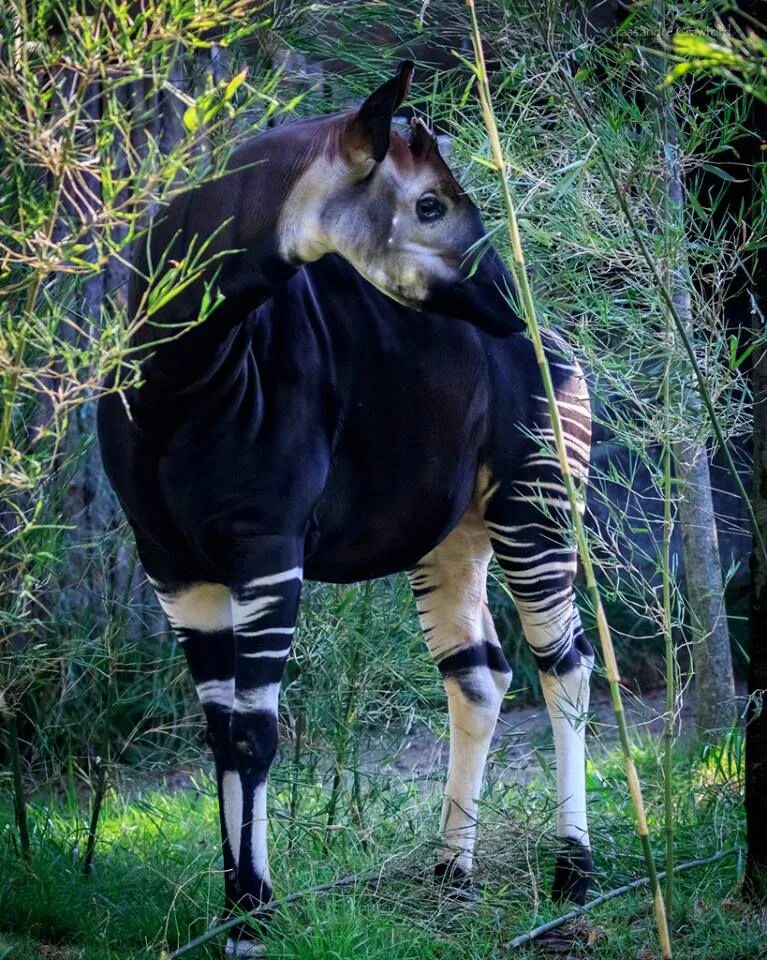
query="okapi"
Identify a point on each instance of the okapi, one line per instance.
(314, 427)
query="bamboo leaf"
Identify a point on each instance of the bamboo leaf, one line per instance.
(719, 172)
(235, 83)
(191, 119)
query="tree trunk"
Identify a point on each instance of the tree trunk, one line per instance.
(756, 716)
(712, 657)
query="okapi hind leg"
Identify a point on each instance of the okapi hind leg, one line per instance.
(529, 525)
(201, 615)
(449, 585)
(542, 587)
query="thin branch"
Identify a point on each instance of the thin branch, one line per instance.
(19, 797)
(99, 793)
(537, 932)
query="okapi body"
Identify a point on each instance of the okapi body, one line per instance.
(333, 434)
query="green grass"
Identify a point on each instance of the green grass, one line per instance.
(156, 882)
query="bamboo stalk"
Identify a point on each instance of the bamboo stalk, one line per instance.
(668, 527)
(19, 797)
(350, 708)
(99, 793)
(668, 727)
(298, 743)
(527, 302)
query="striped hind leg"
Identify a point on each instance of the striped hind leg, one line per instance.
(527, 514)
(449, 585)
(539, 565)
(529, 530)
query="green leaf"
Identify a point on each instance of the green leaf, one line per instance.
(191, 118)
(722, 174)
(737, 361)
(235, 83)
(691, 45)
(485, 163)
(678, 70)
(211, 113)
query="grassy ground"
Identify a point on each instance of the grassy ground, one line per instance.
(156, 883)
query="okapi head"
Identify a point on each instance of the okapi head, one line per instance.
(343, 183)
(394, 210)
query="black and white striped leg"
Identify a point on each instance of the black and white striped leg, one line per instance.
(201, 615)
(264, 609)
(449, 585)
(529, 525)
(543, 594)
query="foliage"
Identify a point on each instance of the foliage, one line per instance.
(156, 881)
(738, 58)
(91, 140)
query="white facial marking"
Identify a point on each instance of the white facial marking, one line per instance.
(300, 231)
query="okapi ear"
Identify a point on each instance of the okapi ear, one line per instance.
(367, 135)
(423, 143)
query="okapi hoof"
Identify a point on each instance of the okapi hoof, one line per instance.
(455, 882)
(246, 941)
(244, 948)
(572, 874)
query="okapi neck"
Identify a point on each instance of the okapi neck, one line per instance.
(226, 232)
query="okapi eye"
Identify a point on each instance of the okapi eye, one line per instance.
(429, 207)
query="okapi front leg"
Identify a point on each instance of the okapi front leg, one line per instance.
(201, 615)
(264, 610)
(449, 587)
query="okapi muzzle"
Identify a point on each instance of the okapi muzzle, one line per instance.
(482, 297)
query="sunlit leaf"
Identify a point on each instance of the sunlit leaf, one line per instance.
(235, 83)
